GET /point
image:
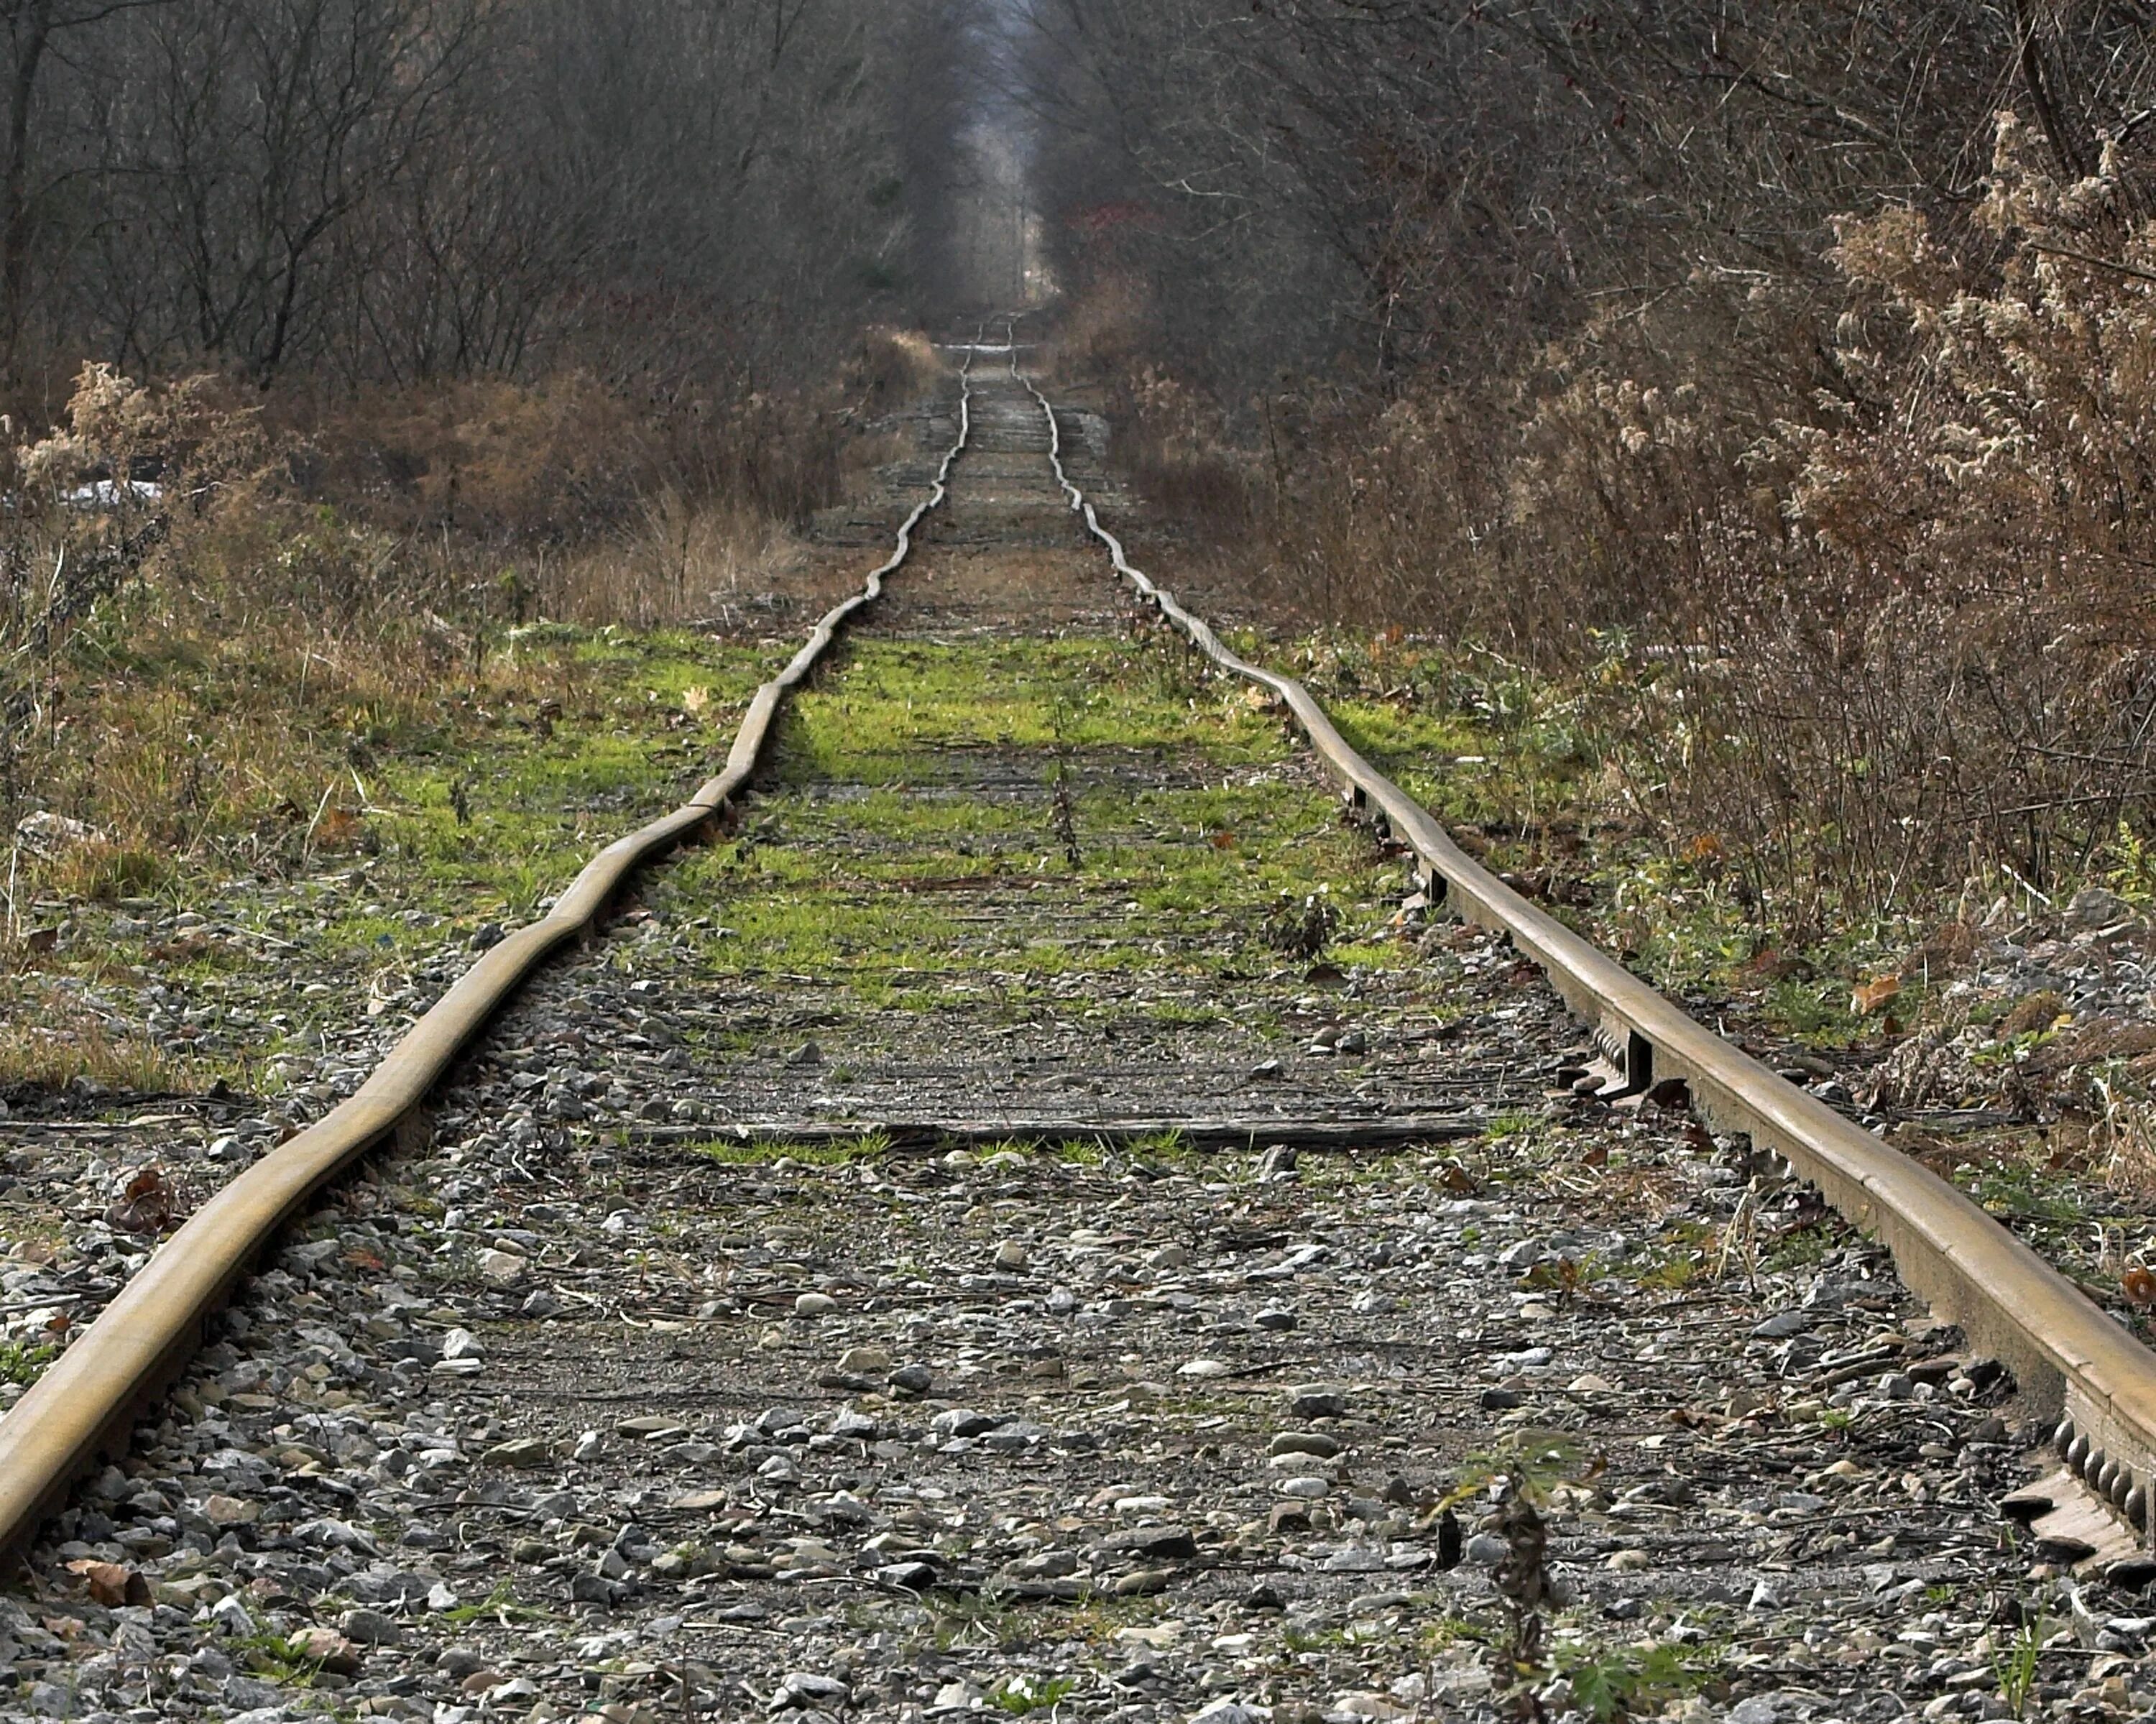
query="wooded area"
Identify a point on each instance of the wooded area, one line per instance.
(1787, 365)
(1772, 377)
(400, 191)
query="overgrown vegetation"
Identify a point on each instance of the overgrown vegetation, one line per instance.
(1772, 384)
(426, 328)
(22, 1363)
(876, 888)
(217, 664)
(221, 683)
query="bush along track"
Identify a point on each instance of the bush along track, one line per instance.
(677, 1372)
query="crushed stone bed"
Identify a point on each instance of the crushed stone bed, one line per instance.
(594, 1407)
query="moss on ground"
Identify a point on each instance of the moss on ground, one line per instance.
(879, 873)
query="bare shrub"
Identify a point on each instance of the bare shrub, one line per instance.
(679, 562)
(1856, 587)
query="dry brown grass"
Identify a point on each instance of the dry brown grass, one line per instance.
(1854, 593)
(59, 1041)
(682, 563)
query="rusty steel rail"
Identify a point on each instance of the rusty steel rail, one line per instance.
(84, 1405)
(2072, 1362)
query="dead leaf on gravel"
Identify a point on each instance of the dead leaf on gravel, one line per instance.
(144, 1206)
(2138, 1283)
(111, 1585)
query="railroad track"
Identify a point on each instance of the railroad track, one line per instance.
(2070, 1359)
(775, 1401)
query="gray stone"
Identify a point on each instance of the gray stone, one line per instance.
(804, 1688)
(369, 1627)
(962, 1422)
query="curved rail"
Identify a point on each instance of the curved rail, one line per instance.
(2072, 1360)
(84, 1405)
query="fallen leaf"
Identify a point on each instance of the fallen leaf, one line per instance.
(1222, 840)
(1770, 965)
(145, 1205)
(1868, 997)
(2138, 1283)
(111, 1585)
(337, 829)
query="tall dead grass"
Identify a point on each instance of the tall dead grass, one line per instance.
(210, 606)
(1858, 589)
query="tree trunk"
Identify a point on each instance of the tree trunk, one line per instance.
(34, 32)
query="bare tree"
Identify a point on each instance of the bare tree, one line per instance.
(410, 188)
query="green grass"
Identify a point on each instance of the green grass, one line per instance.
(764, 1152)
(474, 804)
(275, 1659)
(23, 1363)
(1019, 1696)
(976, 1620)
(878, 867)
(1610, 1683)
(499, 1606)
